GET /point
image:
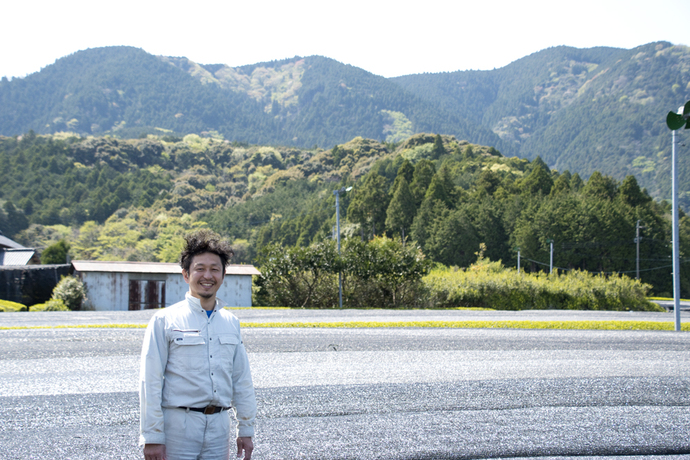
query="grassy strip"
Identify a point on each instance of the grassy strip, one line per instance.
(490, 284)
(560, 325)
(667, 298)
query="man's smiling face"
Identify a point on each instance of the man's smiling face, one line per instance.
(205, 275)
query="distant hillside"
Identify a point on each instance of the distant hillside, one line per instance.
(125, 91)
(578, 109)
(113, 199)
(302, 102)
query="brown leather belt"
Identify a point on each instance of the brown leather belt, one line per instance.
(208, 410)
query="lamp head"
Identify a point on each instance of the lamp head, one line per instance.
(682, 118)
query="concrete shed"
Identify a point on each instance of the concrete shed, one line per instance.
(144, 285)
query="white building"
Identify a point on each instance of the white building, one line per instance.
(143, 285)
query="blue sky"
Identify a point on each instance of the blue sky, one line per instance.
(388, 38)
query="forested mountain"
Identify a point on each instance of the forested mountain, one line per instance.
(125, 91)
(113, 199)
(303, 102)
(578, 109)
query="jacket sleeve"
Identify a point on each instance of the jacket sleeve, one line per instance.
(154, 356)
(243, 397)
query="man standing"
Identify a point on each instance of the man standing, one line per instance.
(194, 367)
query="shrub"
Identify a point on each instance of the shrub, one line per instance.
(51, 305)
(56, 253)
(71, 291)
(381, 273)
(6, 305)
(298, 277)
(482, 285)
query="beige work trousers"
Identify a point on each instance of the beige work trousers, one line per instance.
(193, 435)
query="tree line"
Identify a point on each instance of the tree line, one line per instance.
(111, 199)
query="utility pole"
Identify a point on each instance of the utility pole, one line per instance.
(637, 241)
(518, 251)
(337, 224)
(551, 257)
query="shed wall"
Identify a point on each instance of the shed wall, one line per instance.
(236, 290)
(110, 291)
(106, 291)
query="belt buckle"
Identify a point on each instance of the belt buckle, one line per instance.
(210, 410)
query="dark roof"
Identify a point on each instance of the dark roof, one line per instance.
(149, 267)
(16, 256)
(8, 243)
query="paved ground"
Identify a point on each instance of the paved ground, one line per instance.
(370, 393)
(53, 318)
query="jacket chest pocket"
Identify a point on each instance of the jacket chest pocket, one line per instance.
(187, 352)
(228, 343)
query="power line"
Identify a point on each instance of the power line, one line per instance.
(605, 273)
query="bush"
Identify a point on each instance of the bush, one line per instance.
(51, 305)
(56, 253)
(298, 277)
(71, 291)
(6, 305)
(483, 285)
(381, 273)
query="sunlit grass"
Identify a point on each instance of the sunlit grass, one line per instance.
(555, 325)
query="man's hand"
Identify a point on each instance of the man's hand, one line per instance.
(246, 445)
(155, 451)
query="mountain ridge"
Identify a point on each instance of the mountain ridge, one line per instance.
(588, 109)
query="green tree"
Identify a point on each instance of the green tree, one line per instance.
(576, 183)
(14, 220)
(539, 163)
(600, 186)
(299, 277)
(560, 185)
(424, 171)
(406, 170)
(452, 239)
(488, 182)
(430, 210)
(401, 210)
(383, 272)
(56, 253)
(629, 192)
(438, 150)
(86, 245)
(369, 204)
(442, 188)
(538, 181)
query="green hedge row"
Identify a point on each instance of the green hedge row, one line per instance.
(51, 305)
(490, 285)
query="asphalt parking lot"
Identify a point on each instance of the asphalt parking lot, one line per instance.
(369, 393)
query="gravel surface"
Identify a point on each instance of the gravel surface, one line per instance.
(55, 318)
(371, 393)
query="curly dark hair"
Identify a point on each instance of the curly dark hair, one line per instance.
(202, 241)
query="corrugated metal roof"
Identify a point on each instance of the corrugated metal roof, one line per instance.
(15, 256)
(8, 243)
(150, 267)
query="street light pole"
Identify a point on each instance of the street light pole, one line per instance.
(676, 121)
(676, 256)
